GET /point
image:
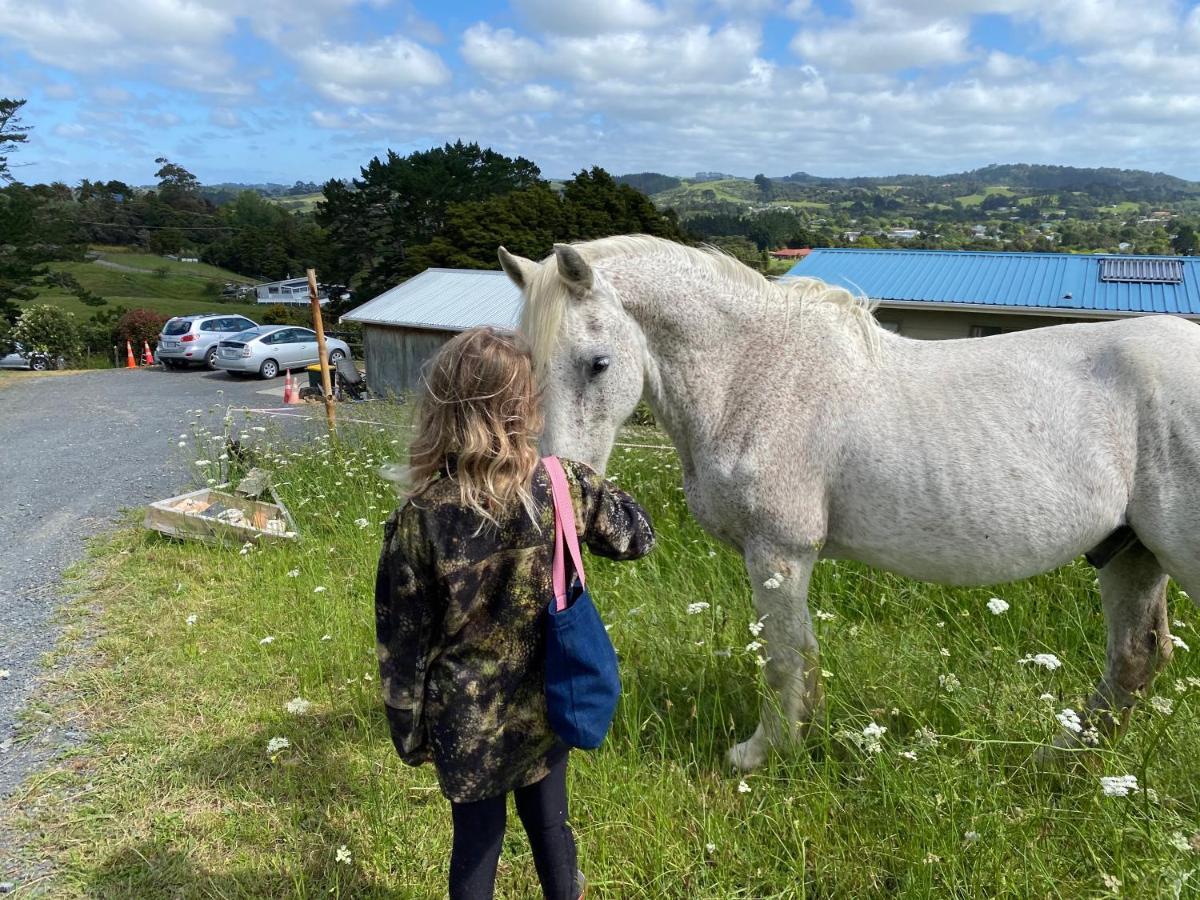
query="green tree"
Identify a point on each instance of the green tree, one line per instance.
(401, 202)
(12, 133)
(1186, 241)
(599, 206)
(47, 329)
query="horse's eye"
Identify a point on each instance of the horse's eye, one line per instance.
(599, 364)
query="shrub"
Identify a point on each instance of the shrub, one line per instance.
(278, 314)
(48, 329)
(642, 415)
(139, 325)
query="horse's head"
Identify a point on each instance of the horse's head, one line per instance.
(589, 351)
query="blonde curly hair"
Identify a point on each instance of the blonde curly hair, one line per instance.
(478, 423)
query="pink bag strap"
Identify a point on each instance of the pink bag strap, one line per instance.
(564, 530)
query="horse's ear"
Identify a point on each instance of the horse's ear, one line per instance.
(517, 268)
(573, 268)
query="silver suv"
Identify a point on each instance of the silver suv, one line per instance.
(194, 339)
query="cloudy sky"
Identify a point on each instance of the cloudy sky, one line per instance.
(280, 91)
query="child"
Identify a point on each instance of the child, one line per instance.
(462, 589)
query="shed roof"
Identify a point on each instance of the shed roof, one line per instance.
(1010, 280)
(445, 300)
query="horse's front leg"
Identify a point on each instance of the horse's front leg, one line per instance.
(789, 645)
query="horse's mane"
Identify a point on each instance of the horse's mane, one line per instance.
(547, 295)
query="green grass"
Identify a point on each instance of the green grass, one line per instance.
(977, 198)
(176, 796)
(179, 292)
(1120, 209)
(299, 202)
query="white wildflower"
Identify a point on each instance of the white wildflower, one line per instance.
(269, 639)
(712, 553)
(743, 788)
(971, 837)
(319, 589)
(927, 737)
(327, 637)
(1180, 842)
(944, 652)
(1046, 698)
(182, 444)
(949, 682)
(760, 661)
(710, 848)
(361, 523)
(190, 620)
(824, 616)
(1179, 623)
(343, 854)
(909, 755)
(1069, 719)
(246, 548)
(294, 573)
(692, 608)
(1046, 660)
(825, 673)
(298, 706)
(997, 606)
(1090, 737)
(753, 646)
(1179, 643)
(756, 628)
(774, 582)
(275, 744)
(1118, 785)
(1162, 705)
(1111, 882)
(258, 428)
(202, 462)
(871, 737)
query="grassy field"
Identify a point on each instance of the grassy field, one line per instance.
(181, 290)
(976, 199)
(299, 202)
(197, 652)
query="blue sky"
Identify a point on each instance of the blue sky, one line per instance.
(280, 91)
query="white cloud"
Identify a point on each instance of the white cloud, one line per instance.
(883, 46)
(69, 130)
(59, 91)
(369, 73)
(223, 117)
(586, 17)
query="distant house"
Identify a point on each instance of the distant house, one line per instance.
(405, 326)
(904, 234)
(289, 291)
(789, 253)
(957, 294)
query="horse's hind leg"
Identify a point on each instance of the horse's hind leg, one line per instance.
(1133, 588)
(789, 645)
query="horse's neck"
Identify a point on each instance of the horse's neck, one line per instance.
(717, 357)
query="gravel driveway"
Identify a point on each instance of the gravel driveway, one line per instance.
(75, 450)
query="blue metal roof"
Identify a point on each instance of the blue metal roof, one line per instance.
(1012, 280)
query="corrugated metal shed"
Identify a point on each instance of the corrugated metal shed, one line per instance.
(1010, 280)
(445, 300)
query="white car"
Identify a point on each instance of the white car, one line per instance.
(269, 349)
(14, 356)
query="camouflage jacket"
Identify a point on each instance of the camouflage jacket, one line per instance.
(460, 630)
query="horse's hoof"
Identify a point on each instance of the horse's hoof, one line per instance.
(747, 755)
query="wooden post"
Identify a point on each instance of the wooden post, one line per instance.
(319, 327)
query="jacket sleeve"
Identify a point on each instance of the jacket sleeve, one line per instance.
(611, 522)
(406, 610)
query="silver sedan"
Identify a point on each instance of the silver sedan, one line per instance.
(269, 349)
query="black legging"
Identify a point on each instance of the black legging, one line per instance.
(479, 832)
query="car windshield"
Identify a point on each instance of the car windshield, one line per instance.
(246, 336)
(178, 326)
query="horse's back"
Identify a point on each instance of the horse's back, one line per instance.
(1008, 455)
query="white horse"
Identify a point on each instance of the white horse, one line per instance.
(806, 430)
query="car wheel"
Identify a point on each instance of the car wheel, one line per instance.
(39, 364)
(335, 356)
(269, 369)
(210, 358)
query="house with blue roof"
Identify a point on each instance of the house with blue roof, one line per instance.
(954, 294)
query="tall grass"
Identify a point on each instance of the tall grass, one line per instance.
(177, 794)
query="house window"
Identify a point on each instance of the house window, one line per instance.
(986, 330)
(893, 327)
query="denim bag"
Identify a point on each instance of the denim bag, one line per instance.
(582, 682)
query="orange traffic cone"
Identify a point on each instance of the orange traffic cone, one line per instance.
(130, 362)
(287, 387)
(147, 356)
